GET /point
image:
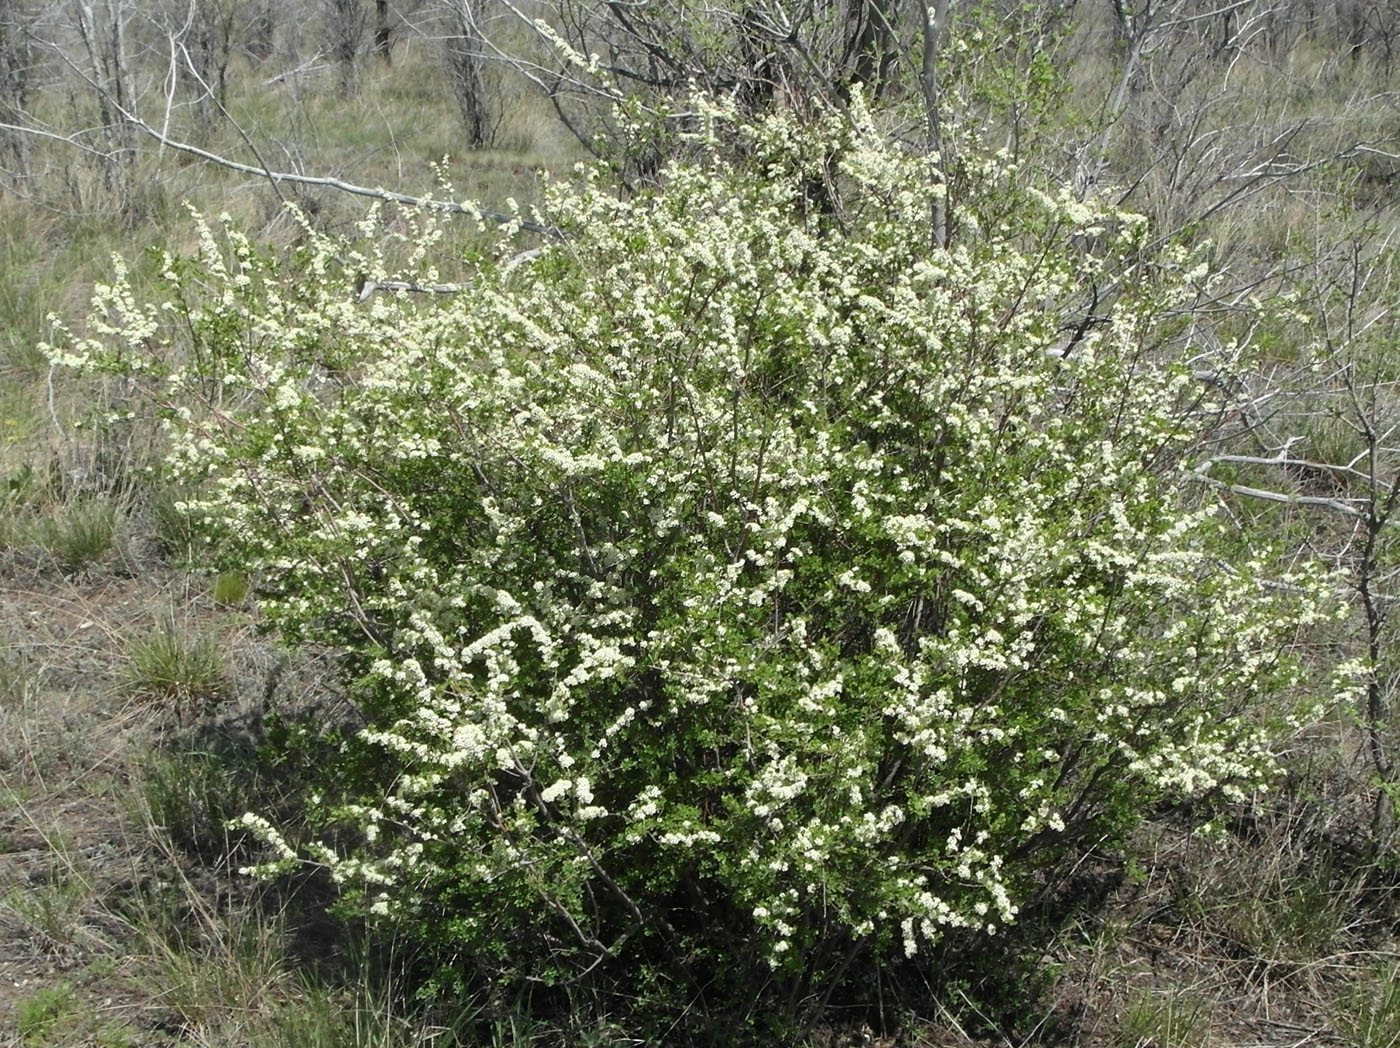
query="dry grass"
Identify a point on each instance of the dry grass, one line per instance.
(121, 922)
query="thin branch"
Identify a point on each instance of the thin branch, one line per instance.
(936, 21)
(278, 177)
(1282, 459)
(1335, 505)
(388, 195)
(369, 287)
(213, 96)
(68, 140)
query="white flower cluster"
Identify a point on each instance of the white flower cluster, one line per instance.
(747, 539)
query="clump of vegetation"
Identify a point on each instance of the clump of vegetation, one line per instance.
(18, 682)
(41, 1017)
(71, 534)
(230, 588)
(1255, 130)
(1370, 1016)
(747, 597)
(79, 533)
(177, 668)
(1171, 1020)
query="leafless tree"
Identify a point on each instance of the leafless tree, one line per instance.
(760, 53)
(347, 25)
(465, 55)
(382, 33)
(1322, 435)
(262, 30)
(102, 31)
(205, 35)
(17, 60)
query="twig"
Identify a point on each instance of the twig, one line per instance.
(301, 70)
(369, 287)
(53, 409)
(1284, 460)
(388, 195)
(70, 140)
(213, 96)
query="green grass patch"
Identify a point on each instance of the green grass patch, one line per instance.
(1369, 1017)
(1167, 1019)
(177, 667)
(47, 1015)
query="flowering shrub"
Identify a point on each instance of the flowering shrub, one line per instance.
(744, 591)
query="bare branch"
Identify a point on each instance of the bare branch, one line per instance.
(1287, 462)
(935, 25)
(1285, 497)
(73, 139)
(279, 177)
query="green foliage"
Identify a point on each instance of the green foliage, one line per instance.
(174, 531)
(20, 487)
(192, 797)
(42, 1017)
(73, 534)
(1004, 67)
(1170, 1019)
(743, 597)
(79, 533)
(230, 588)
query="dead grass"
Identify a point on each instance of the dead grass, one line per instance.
(1257, 936)
(117, 928)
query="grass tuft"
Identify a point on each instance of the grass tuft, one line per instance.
(44, 1016)
(181, 670)
(174, 529)
(230, 589)
(234, 977)
(1165, 1020)
(18, 683)
(192, 797)
(1370, 1016)
(74, 535)
(51, 910)
(78, 534)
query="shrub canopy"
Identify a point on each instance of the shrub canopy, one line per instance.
(745, 592)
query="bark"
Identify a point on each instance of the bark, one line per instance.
(465, 54)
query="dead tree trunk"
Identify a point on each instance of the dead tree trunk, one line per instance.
(103, 35)
(345, 36)
(381, 29)
(871, 47)
(262, 29)
(935, 26)
(16, 62)
(465, 55)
